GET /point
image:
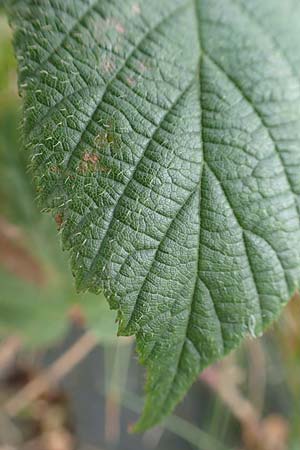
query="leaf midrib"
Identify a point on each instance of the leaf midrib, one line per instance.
(198, 266)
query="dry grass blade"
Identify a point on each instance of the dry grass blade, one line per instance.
(58, 370)
(8, 351)
(15, 257)
(269, 433)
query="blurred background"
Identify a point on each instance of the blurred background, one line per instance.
(67, 382)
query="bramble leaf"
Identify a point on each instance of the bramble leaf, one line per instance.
(165, 134)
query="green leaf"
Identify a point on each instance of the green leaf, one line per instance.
(166, 135)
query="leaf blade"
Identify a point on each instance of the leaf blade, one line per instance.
(173, 166)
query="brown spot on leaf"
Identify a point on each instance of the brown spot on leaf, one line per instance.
(59, 220)
(54, 169)
(90, 162)
(90, 157)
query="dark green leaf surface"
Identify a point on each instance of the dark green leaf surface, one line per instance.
(166, 133)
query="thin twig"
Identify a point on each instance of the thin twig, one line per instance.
(259, 433)
(224, 380)
(58, 370)
(16, 258)
(8, 351)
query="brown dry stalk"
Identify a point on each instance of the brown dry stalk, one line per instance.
(112, 418)
(58, 370)
(269, 433)
(224, 382)
(8, 350)
(14, 256)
